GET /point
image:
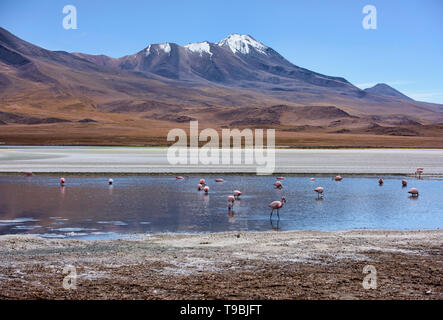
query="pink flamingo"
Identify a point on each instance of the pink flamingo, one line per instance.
(110, 181)
(179, 178)
(312, 179)
(219, 180)
(404, 183)
(237, 193)
(202, 182)
(413, 192)
(29, 174)
(278, 185)
(280, 178)
(206, 189)
(62, 181)
(380, 181)
(199, 187)
(319, 191)
(338, 178)
(277, 205)
(419, 172)
(231, 201)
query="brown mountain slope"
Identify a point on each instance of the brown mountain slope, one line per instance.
(55, 97)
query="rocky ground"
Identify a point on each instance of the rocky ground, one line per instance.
(271, 265)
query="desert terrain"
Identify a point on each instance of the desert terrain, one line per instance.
(270, 265)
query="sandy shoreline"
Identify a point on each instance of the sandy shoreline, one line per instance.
(236, 265)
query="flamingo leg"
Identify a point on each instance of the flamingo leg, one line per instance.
(272, 211)
(278, 214)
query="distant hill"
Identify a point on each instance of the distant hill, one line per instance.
(384, 89)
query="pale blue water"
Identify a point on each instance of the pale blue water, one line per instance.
(88, 208)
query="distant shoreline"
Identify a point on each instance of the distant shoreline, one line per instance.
(138, 160)
(325, 147)
(196, 173)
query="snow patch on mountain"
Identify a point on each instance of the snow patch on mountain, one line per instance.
(199, 47)
(242, 43)
(165, 47)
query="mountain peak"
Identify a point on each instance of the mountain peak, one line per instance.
(385, 89)
(242, 43)
(156, 48)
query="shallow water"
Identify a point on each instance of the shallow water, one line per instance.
(87, 208)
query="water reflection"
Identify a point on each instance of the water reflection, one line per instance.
(275, 224)
(231, 216)
(89, 207)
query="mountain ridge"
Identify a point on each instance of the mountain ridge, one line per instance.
(166, 84)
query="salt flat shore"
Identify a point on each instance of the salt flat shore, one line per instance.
(154, 160)
(262, 265)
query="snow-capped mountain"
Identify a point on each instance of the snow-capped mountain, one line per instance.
(238, 60)
(164, 80)
(242, 44)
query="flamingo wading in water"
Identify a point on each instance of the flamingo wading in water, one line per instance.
(419, 172)
(231, 201)
(237, 193)
(278, 185)
(413, 192)
(277, 205)
(319, 191)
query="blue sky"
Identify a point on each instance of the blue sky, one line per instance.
(405, 51)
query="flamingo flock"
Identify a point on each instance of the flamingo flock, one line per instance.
(274, 205)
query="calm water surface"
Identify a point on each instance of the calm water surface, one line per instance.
(87, 208)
